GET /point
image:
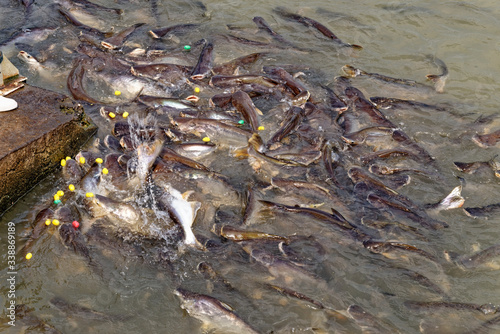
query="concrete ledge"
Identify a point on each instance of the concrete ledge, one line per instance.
(35, 137)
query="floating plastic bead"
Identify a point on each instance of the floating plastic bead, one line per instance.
(82, 160)
(260, 128)
(89, 195)
(99, 160)
(125, 114)
(63, 162)
(118, 93)
(71, 187)
(55, 222)
(112, 115)
(29, 256)
(75, 224)
(206, 139)
(105, 171)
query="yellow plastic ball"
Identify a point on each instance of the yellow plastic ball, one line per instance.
(29, 256)
(71, 187)
(206, 139)
(260, 128)
(105, 171)
(63, 162)
(47, 222)
(112, 115)
(68, 158)
(197, 89)
(82, 160)
(89, 195)
(118, 93)
(60, 193)
(56, 197)
(55, 222)
(125, 114)
(99, 160)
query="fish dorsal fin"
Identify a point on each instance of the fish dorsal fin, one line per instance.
(226, 306)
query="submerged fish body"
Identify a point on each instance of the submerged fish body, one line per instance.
(313, 23)
(438, 79)
(483, 212)
(481, 258)
(82, 311)
(368, 322)
(213, 313)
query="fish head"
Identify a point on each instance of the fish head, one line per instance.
(262, 257)
(187, 298)
(374, 246)
(197, 305)
(27, 58)
(67, 233)
(489, 308)
(355, 174)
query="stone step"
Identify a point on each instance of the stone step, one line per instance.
(35, 137)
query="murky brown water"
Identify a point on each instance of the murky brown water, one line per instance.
(396, 37)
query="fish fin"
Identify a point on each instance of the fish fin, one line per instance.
(298, 74)
(196, 245)
(241, 153)
(186, 194)
(312, 205)
(227, 307)
(195, 206)
(453, 200)
(350, 71)
(153, 34)
(256, 142)
(438, 80)
(199, 246)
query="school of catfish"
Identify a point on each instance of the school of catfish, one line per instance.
(253, 163)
